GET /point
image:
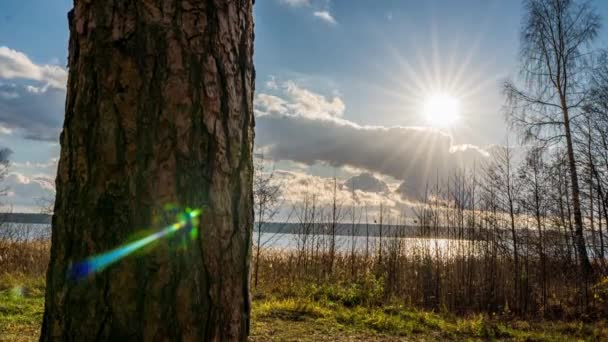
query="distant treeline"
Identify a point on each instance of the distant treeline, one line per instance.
(347, 229)
(26, 218)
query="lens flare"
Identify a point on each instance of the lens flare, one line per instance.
(187, 222)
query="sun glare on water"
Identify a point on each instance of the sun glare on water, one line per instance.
(442, 110)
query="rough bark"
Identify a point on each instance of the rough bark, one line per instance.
(158, 111)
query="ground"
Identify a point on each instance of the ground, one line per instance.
(278, 318)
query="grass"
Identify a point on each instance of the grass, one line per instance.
(299, 320)
(311, 313)
(21, 307)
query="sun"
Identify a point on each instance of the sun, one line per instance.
(442, 110)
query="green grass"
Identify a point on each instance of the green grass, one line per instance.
(310, 313)
(298, 320)
(21, 307)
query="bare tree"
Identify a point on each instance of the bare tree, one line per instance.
(500, 175)
(305, 213)
(5, 228)
(555, 41)
(597, 132)
(46, 204)
(533, 187)
(5, 163)
(353, 226)
(267, 203)
(366, 234)
(334, 224)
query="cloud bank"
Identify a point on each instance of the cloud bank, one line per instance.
(315, 131)
(35, 113)
(300, 186)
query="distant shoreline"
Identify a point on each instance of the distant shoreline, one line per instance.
(25, 218)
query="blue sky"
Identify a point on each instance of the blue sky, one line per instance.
(358, 64)
(363, 53)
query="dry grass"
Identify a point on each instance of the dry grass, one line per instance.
(470, 282)
(292, 305)
(24, 257)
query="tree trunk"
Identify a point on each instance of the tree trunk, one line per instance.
(581, 247)
(158, 111)
(257, 253)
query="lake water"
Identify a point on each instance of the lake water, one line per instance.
(272, 240)
(281, 241)
(344, 244)
(284, 236)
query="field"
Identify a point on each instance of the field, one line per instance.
(303, 311)
(302, 318)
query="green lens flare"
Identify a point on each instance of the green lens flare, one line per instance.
(187, 221)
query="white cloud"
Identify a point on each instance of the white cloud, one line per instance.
(24, 191)
(17, 65)
(34, 105)
(51, 164)
(325, 16)
(353, 171)
(299, 101)
(5, 130)
(270, 104)
(317, 12)
(296, 3)
(467, 147)
(312, 104)
(272, 83)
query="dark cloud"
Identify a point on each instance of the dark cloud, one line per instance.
(36, 113)
(366, 182)
(415, 155)
(5, 153)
